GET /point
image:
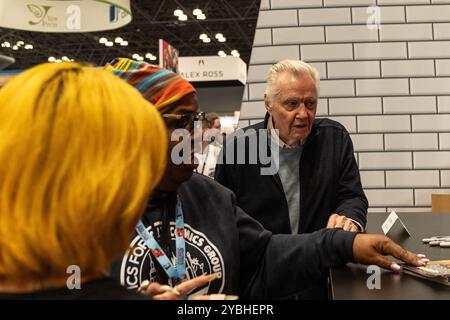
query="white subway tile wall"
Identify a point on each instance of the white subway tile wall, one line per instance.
(445, 178)
(444, 141)
(410, 104)
(387, 15)
(387, 81)
(323, 17)
(444, 104)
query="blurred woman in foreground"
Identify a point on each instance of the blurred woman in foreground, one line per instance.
(80, 152)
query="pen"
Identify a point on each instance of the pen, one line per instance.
(437, 238)
(445, 244)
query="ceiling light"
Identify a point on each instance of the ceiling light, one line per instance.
(118, 40)
(15, 47)
(183, 17)
(135, 56)
(124, 43)
(3, 45)
(222, 39)
(221, 53)
(153, 58)
(51, 59)
(197, 12)
(20, 43)
(203, 36)
(58, 60)
(139, 58)
(65, 58)
(235, 53)
(7, 44)
(178, 13)
(103, 40)
(148, 55)
(28, 46)
(109, 44)
(219, 35)
(201, 16)
(207, 40)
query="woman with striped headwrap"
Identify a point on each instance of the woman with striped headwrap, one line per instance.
(192, 227)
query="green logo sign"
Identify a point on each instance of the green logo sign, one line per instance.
(41, 13)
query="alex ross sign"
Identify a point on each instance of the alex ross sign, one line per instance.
(213, 68)
(64, 16)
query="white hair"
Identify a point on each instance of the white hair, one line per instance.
(296, 67)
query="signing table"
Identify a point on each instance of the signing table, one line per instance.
(350, 282)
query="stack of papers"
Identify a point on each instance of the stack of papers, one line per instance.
(437, 271)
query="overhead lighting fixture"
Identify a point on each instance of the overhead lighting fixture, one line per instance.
(201, 16)
(118, 40)
(150, 56)
(65, 58)
(135, 56)
(197, 12)
(207, 40)
(203, 36)
(51, 59)
(178, 13)
(124, 43)
(28, 46)
(139, 58)
(7, 44)
(235, 53)
(183, 17)
(109, 44)
(103, 40)
(58, 60)
(15, 47)
(220, 37)
(20, 43)
(222, 53)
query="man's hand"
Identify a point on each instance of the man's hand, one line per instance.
(158, 291)
(337, 221)
(372, 249)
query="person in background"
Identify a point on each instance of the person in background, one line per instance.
(317, 184)
(214, 120)
(193, 228)
(80, 152)
(208, 145)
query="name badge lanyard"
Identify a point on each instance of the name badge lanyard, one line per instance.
(177, 272)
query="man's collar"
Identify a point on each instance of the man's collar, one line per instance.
(273, 133)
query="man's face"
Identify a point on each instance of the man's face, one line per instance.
(177, 174)
(216, 124)
(293, 106)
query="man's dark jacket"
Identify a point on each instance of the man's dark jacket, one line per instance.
(329, 180)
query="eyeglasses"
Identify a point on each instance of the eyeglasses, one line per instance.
(183, 121)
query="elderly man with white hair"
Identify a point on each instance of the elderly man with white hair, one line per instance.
(318, 183)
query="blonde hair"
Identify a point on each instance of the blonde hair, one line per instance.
(80, 151)
(296, 67)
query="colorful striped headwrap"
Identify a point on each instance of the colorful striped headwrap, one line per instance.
(159, 86)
